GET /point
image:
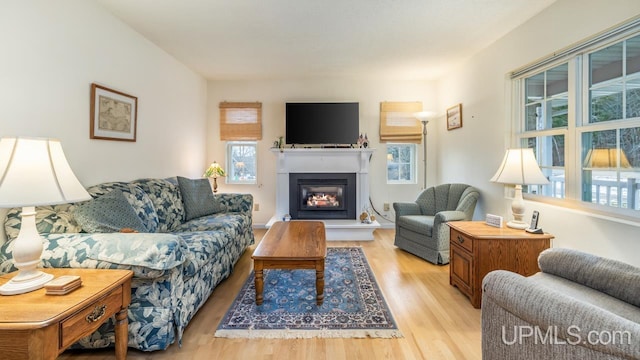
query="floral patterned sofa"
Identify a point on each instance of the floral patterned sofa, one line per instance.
(176, 263)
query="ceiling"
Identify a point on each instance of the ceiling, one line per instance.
(280, 39)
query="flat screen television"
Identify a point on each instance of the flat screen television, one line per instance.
(336, 123)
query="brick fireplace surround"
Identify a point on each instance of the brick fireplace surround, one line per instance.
(332, 160)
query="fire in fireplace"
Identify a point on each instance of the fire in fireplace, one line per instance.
(322, 195)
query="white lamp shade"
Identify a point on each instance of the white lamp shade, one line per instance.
(34, 172)
(424, 115)
(519, 167)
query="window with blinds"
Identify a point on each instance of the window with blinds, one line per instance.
(240, 121)
(398, 122)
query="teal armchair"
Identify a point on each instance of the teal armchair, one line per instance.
(421, 225)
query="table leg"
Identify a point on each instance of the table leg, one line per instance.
(257, 268)
(122, 334)
(320, 282)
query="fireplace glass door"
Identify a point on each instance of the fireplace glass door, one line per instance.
(322, 197)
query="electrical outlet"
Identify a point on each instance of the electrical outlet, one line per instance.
(256, 207)
(386, 207)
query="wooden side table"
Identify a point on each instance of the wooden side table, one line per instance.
(39, 326)
(477, 248)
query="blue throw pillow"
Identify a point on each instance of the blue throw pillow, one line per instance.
(108, 213)
(198, 198)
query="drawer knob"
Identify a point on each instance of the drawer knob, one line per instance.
(460, 239)
(97, 313)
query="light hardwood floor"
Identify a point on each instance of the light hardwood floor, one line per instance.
(437, 321)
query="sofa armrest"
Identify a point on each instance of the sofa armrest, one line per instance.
(513, 305)
(242, 203)
(610, 276)
(147, 255)
(406, 208)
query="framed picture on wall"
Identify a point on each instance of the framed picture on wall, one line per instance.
(113, 114)
(454, 117)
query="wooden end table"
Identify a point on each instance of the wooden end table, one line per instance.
(39, 326)
(477, 248)
(292, 245)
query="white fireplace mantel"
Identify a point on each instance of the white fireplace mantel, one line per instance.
(327, 160)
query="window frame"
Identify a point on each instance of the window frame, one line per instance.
(229, 159)
(413, 163)
(578, 123)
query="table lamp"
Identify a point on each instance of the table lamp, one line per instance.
(519, 167)
(33, 171)
(605, 158)
(214, 170)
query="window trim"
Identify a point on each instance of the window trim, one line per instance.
(414, 164)
(229, 160)
(578, 106)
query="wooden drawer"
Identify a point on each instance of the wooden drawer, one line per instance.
(461, 270)
(90, 318)
(462, 240)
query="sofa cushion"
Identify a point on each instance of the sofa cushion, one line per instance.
(234, 223)
(108, 213)
(167, 200)
(137, 198)
(153, 251)
(198, 198)
(204, 247)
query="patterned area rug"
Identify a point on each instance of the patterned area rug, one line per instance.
(353, 304)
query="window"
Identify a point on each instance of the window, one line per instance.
(581, 116)
(242, 162)
(401, 164)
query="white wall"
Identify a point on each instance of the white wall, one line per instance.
(51, 53)
(472, 154)
(275, 93)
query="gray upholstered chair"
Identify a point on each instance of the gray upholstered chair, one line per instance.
(421, 225)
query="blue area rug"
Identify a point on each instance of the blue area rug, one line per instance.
(353, 304)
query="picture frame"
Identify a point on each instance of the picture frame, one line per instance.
(114, 114)
(454, 117)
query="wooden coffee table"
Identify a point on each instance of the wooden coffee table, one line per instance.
(292, 245)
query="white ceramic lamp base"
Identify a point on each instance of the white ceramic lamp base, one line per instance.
(517, 209)
(27, 250)
(25, 282)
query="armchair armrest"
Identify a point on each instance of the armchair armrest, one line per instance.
(445, 216)
(511, 302)
(406, 208)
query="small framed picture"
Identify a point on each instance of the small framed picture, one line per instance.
(454, 117)
(113, 114)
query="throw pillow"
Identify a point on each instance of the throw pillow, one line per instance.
(108, 213)
(198, 198)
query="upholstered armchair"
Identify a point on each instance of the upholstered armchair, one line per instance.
(421, 225)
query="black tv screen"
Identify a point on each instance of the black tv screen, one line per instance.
(322, 123)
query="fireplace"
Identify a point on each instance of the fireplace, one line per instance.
(322, 195)
(321, 162)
